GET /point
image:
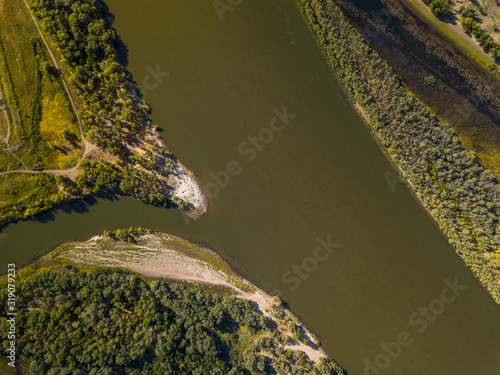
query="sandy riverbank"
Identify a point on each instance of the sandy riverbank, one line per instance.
(182, 183)
(186, 187)
(162, 256)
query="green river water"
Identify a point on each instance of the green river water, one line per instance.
(320, 176)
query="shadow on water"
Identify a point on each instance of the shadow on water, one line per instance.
(77, 207)
(368, 6)
(121, 48)
(122, 51)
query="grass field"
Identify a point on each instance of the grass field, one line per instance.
(58, 130)
(21, 188)
(8, 162)
(22, 194)
(44, 132)
(41, 131)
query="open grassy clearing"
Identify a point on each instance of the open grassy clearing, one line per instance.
(3, 123)
(9, 98)
(19, 63)
(44, 132)
(59, 133)
(8, 162)
(22, 194)
(38, 128)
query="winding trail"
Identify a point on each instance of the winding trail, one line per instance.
(54, 61)
(186, 185)
(3, 107)
(6, 138)
(88, 147)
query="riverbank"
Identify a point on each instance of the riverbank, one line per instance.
(115, 133)
(426, 150)
(459, 90)
(164, 257)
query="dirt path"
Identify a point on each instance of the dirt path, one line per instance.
(15, 157)
(3, 107)
(185, 184)
(6, 138)
(20, 171)
(88, 147)
(55, 172)
(15, 115)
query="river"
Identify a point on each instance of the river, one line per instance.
(312, 190)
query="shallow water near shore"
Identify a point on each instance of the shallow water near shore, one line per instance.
(321, 176)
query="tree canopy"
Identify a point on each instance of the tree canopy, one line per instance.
(103, 322)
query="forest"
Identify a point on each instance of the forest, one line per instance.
(100, 321)
(461, 195)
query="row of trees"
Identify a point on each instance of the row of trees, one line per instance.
(469, 23)
(87, 44)
(112, 116)
(459, 192)
(35, 194)
(440, 7)
(127, 235)
(99, 176)
(33, 129)
(471, 26)
(97, 322)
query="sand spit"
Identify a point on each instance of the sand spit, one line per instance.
(163, 256)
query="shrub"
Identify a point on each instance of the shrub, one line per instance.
(440, 7)
(430, 81)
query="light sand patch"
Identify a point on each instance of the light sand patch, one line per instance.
(186, 187)
(153, 261)
(163, 256)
